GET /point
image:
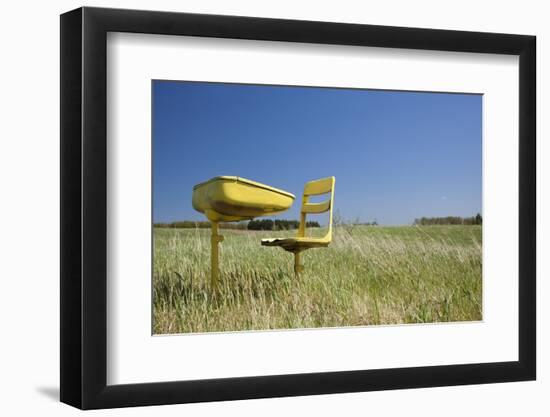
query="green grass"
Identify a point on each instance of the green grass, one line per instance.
(367, 276)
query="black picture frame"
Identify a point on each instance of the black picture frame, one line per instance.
(84, 207)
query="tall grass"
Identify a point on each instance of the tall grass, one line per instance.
(367, 276)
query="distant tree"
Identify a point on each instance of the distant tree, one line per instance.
(479, 220)
(264, 224)
(254, 225)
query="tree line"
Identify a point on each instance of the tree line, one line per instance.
(452, 220)
(189, 224)
(268, 224)
(263, 224)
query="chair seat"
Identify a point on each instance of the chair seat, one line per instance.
(296, 244)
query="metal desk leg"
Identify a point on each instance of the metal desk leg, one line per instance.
(214, 264)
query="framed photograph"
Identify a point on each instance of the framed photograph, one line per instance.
(257, 208)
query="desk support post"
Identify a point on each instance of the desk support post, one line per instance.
(214, 265)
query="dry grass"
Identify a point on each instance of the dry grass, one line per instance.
(367, 276)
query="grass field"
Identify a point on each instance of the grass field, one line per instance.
(367, 276)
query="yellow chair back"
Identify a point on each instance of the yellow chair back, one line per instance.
(313, 188)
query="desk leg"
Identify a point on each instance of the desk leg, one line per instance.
(214, 265)
(297, 267)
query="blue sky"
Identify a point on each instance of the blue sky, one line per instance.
(396, 155)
